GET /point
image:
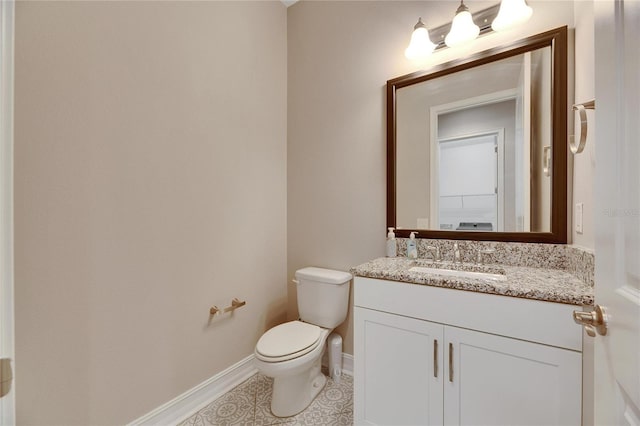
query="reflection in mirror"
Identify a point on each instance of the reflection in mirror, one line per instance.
(476, 148)
(469, 148)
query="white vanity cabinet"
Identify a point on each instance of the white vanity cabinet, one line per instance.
(431, 356)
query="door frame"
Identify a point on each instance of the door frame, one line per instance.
(434, 113)
(434, 201)
(7, 332)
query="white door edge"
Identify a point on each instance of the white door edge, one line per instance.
(7, 7)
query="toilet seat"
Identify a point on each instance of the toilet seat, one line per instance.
(288, 341)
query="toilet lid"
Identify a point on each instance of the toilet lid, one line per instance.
(288, 338)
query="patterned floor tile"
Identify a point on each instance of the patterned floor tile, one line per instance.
(336, 397)
(195, 420)
(264, 388)
(250, 404)
(236, 407)
(327, 419)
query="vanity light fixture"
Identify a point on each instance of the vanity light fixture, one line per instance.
(421, 45)
(463, 29)
(512, 13)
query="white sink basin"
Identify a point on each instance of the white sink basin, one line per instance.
(459, 274)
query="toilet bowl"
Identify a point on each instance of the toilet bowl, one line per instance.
(290, 353)
(295, 368)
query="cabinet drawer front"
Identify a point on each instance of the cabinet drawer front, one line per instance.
(501, 381)
(394, 378)
(536, 321)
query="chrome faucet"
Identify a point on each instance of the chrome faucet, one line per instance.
(456, 253)
(436, 252)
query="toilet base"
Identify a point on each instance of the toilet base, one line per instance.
(293, 393)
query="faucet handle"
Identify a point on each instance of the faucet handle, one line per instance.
(456, 253)
(482, 252)
(436, 251)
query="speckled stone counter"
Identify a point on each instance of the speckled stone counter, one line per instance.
(577, 261)
(552, 285)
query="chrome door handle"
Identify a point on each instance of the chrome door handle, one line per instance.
(594, 321)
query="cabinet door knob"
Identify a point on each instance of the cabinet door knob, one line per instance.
(594, 321)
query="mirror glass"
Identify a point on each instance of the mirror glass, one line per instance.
(477, 148)
(470, 148)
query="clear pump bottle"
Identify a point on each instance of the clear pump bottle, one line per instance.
(391, 244)
(412, 247)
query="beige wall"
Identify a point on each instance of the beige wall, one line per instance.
(340, 56)
(584, 164)
(150, 184)
(151, 167)
(584, 171)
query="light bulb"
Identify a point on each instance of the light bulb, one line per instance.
(463, 30)
(511, 14)
(421, 45)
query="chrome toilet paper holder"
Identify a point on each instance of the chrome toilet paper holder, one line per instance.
(235, 304)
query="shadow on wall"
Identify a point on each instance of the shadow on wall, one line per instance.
(276, 314)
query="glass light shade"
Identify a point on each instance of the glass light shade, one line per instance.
(463, 30)
(421, 45)
(511, 14)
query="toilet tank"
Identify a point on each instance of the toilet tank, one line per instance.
(323, 296)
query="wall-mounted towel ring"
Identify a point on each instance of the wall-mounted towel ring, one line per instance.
(581, 108)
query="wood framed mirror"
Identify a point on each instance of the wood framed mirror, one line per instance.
(476, 147)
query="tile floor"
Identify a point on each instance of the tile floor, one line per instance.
(249, 404)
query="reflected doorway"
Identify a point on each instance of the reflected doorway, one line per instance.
(471, 178)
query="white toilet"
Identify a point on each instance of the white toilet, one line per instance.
(291, 352)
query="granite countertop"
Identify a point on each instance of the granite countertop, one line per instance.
(551, 285)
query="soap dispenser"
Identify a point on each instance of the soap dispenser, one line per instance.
(412, 247)
(391, 244)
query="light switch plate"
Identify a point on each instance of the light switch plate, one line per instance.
(578, 217)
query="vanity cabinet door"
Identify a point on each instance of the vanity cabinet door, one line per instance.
(398, 370)
(494, 380)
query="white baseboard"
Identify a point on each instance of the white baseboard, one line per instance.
(190, 402)
(193, 400)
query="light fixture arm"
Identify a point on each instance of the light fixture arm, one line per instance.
(483, 19)
(462, 8)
